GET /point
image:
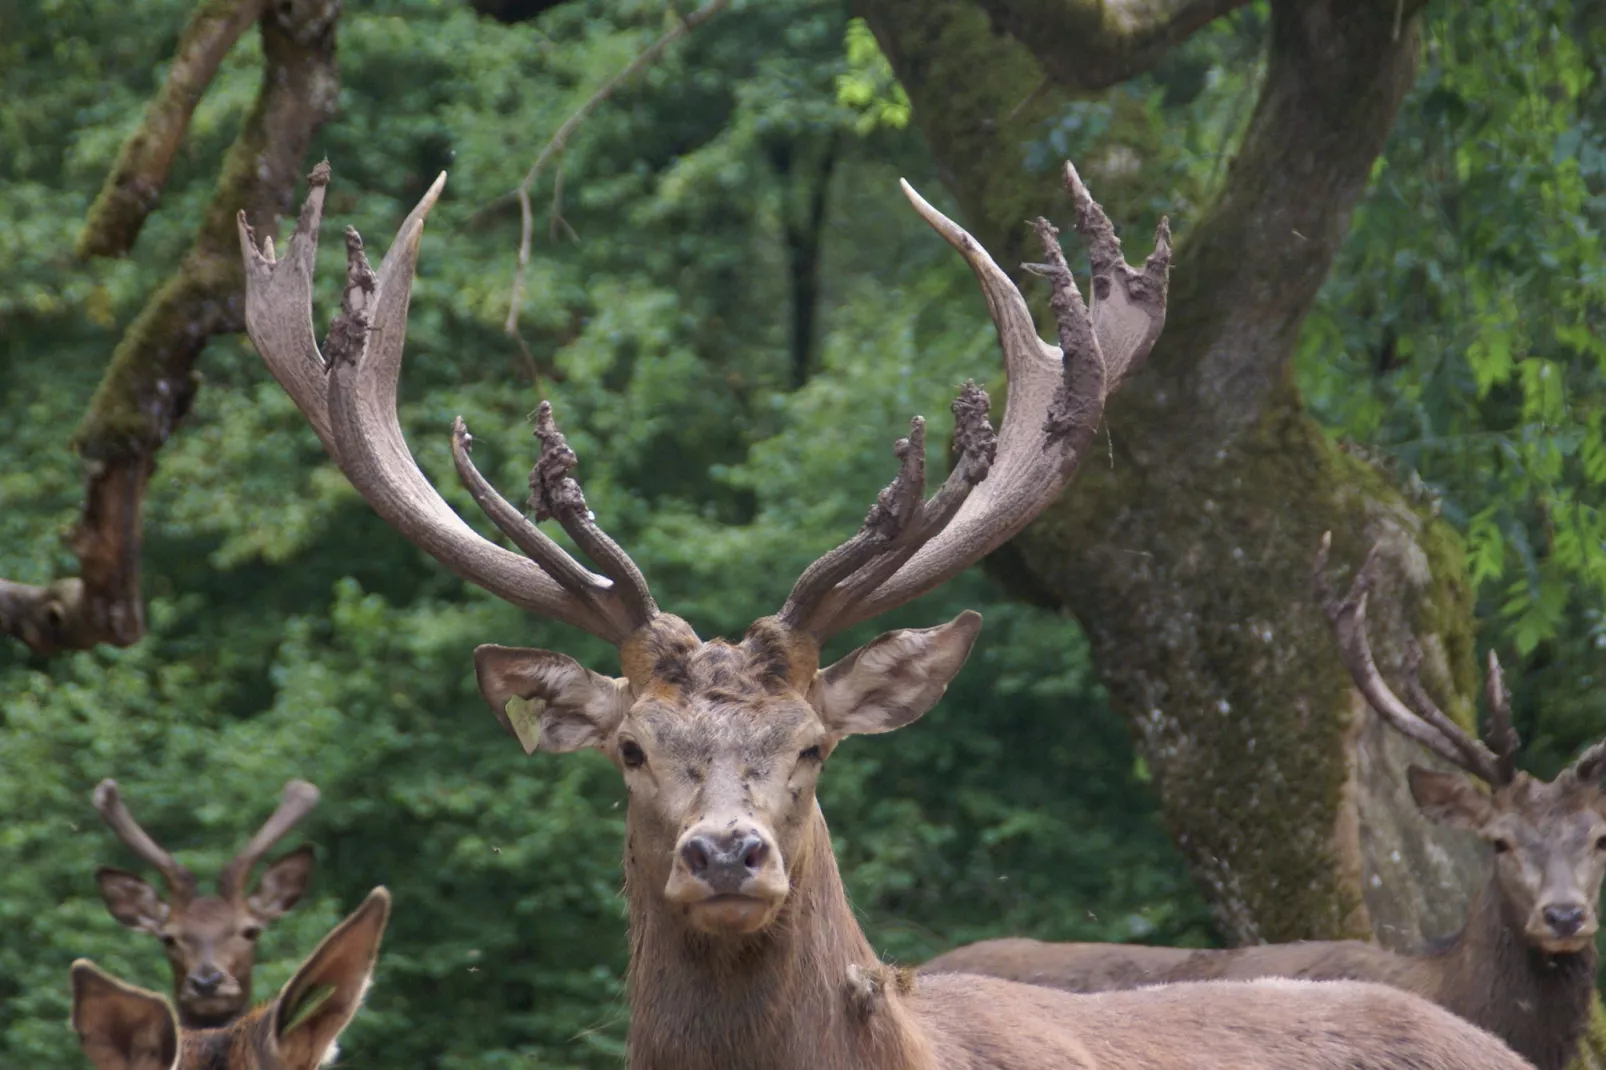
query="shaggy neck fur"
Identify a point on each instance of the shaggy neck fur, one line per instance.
(1536, 1002)
(777, 1000)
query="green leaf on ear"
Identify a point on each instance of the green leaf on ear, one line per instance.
(315, 997)
(524, 714)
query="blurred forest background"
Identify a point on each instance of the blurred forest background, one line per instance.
(734, 315)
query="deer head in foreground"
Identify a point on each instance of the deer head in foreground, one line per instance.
(210, 940)
(744, 950)
(1548, 839)
(125, 1028)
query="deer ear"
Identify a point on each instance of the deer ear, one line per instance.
(282, 884)
(130, 900)
(119, 1026)
(320, 1000)
(1449, 798)
(894, 678)
(549, 701)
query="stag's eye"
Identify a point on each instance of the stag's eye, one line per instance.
(251, 932)
(631, 754)
(1501, 845)
(1600, 844)
(812, 754)
(169, 940)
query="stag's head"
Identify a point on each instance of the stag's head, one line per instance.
(720, 743)
(122, 1027)
(1548, 839)
(210, 940)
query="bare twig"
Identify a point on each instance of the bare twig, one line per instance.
(560, 140)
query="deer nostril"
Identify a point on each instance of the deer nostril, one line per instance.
(205, 981)
(1564, 921)
(695, 853)
(753, 852)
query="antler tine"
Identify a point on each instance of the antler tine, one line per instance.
(1591, 765)
(297, 802)
(1501, 734)
(1422, 720)
(351, 403)
(1055, 401)
(108, 801)
(555, 493)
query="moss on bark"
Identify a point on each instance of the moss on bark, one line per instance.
(1188, 560)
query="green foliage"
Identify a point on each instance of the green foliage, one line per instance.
(294, 634)
(1458, 335)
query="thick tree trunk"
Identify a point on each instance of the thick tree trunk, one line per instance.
(1188, 558)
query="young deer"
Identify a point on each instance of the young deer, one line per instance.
(210, 939)
(1523, 967)
(126, 1028)
(744, 950)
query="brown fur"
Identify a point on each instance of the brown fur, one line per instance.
(717, 740)
(1498, 972)
(122, 1027)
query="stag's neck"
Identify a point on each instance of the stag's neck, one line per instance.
(1537, 1003)
(780, 1000)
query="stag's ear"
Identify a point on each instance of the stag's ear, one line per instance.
(282, 884)
(320, 1000)
(550, 702)
(1449, 798)
(121, 1027)
(894, 678)
(130, 900)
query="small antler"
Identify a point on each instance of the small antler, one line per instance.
(109, 802)
(1000, 481)
(298, 800)
(1419, 717)
(350, 401)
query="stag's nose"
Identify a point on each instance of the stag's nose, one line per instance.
(1564, 921)
(726, 860)
(205, 980)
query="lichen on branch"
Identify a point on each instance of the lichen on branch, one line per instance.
(150, 382)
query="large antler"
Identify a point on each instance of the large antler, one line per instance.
(1000, 482)
(1418, 717)
(350, 400)
(298, 800)
(109, 801)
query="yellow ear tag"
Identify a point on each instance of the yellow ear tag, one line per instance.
(316, 997)
(524, 714)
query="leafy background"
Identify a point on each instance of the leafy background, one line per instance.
(293, 634)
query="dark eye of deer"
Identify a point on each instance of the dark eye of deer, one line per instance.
(169, 940)
(1501, 846)
(812, 754)
(632, 755)
(1600, 844)
(251, 932)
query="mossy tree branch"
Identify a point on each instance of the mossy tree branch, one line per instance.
(135, 182)
(1093, 44)
(150, 383)
(1188, 561)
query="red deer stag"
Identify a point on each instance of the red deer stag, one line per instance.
(744, 950)
(1523, 967)
(125, 1028)
(210, 939)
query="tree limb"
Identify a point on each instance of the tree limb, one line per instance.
(1085, 45)
(150, 383)
(134, 184)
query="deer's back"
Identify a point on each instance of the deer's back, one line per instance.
(1112, 967)
(977, 1022)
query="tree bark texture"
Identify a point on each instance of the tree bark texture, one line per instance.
(1187, 557)
(151, 382)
